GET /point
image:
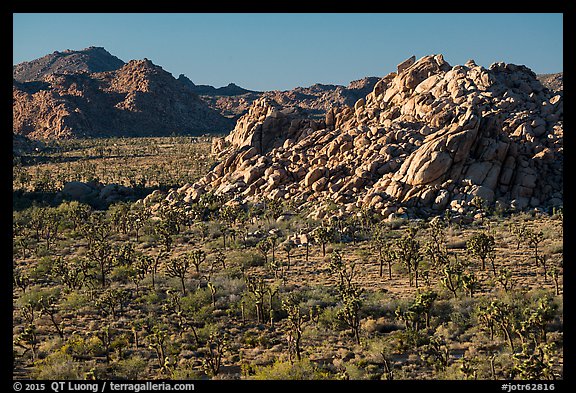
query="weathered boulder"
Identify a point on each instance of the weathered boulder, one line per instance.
(79, 190)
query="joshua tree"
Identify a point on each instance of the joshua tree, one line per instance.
(212, 288)
(424, 302)
(120, 216)
(288, 246)
(498, 314)
(436, 353)
(322, 235)
(435, 248)
(179, 267)
(272, 209)
(106, 336)
(469, 282)
(220, 258)
(351, 306)
(408, 253)
(520, 232)
(536, 319)
(480, 204)
(481, 246)
(295, 326)
(172, 217)
(165, 240)
(264, 247)
(112, 301)
(504, 277)
(350, 294)
(537, 364)
(21, 279)
(96, 229)
(197, 257)
(142, 266)
(51, 225)
(48, 306)
(452, 277)
(273, 240)
(124, 254)
(213, 352)
(77, 213)
(542, 259)
(257, 287)
(385, 251)
(100, 252)
(534, 240)
(157, 342)
(555, 274)
(173, 306)
(71, 273)
(137, 216)
(28, 340)
(419, 309)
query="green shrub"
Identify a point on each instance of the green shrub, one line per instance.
(246, 258)
(328, 319)
(58, 366)
(301, 370)
(132, 368)
(122, 274)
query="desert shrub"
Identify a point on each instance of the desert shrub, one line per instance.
(405, 340)
(329, 319)
(301, 370)
(35, 293)
(378, 304)
(184, 371)
(246, 258)
(196, 300)
(132, 368)
(76, 346)
(42, 269)
(122, 274)
(255, 339)
(58, 366)
(74, 301)
(397, 223)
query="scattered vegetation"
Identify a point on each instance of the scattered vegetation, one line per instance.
(220, 290)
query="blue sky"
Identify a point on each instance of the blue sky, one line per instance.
(280, 51)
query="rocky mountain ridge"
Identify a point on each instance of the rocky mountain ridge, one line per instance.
(138, 99)
(81, 94)
(315, 99)
(427, 138)
(90, 60)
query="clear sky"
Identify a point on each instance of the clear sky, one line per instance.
(280, 51)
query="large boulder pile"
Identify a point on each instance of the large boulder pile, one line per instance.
(267, 125)
(428, 137)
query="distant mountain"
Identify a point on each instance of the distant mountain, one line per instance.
(90, 60)
(554, 82)
(231, 102)
(138, 99)
(319, 98)
(207, 90)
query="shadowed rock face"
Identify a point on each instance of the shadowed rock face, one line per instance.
(138, 99)
(431, 137)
